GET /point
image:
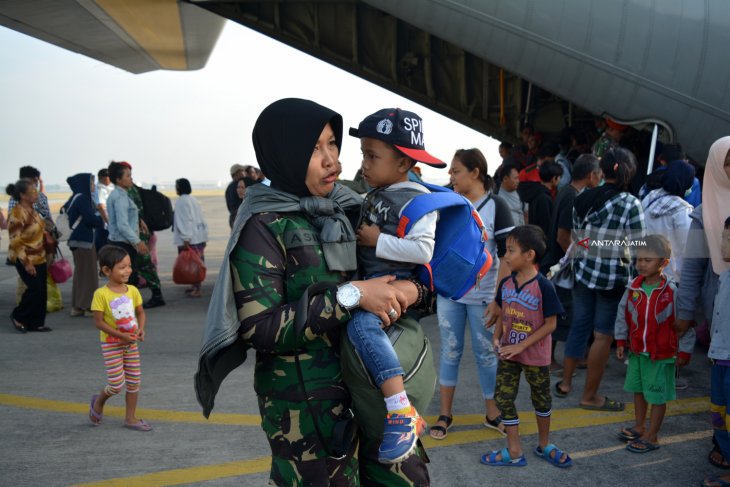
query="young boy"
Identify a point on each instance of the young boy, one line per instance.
(392, 142)
(720, 354)
(645, 322)
(528, 307)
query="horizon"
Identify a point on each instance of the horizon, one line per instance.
(192, 124)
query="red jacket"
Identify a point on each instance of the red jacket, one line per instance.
(647, 322)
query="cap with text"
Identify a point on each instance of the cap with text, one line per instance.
(402, 129)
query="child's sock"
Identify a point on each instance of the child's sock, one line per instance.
(398, 403)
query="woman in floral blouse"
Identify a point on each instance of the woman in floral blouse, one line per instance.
(26, 251)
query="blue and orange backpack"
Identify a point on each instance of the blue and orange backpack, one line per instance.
(459, 260)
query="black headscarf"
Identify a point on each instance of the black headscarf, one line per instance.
(678, 178)
(284, 137)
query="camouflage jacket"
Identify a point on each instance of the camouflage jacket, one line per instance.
(278, 271)
(282, 319)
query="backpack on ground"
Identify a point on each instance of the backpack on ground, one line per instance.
(459, 260)
(157, 209)
(63, 225)
(414, 353)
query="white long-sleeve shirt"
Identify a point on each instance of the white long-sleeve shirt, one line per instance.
(189, 224)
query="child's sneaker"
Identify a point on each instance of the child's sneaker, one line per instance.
(400, 436)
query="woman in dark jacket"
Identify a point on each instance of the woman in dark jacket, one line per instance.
(84, 220)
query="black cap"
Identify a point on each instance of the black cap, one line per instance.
(400, 128)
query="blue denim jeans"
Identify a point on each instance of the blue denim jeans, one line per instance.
(373, 346)
(452, 318)
(593, 310)
(719, 404)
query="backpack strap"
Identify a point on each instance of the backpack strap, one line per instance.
(427, 203)
(481, 205)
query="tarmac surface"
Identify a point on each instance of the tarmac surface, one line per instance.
(47, 379)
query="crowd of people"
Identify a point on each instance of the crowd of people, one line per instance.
(103, 209)
(584, 251)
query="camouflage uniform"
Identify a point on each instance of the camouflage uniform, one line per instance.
(278, 257)
(145, 267)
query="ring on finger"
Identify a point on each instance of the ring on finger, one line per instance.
(393, 313)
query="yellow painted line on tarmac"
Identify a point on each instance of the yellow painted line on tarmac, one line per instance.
(180, 476)
(562, 419)
(260, 465)
(118, 411)
(668, 440)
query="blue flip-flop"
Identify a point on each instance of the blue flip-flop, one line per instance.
(554, 459)
(506, 461)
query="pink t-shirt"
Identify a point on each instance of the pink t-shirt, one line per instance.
(524, 310)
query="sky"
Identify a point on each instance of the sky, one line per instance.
(65, 113)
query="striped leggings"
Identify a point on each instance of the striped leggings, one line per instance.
(122, 366)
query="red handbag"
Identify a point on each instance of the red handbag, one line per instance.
(189, 268)
(60, 269)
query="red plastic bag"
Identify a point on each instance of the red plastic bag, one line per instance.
(189, 268)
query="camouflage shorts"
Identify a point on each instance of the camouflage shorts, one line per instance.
(508, 384)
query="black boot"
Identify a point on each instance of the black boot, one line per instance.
(155, 301)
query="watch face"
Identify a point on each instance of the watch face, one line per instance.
(348, 295)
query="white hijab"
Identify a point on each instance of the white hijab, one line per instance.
(716, 201)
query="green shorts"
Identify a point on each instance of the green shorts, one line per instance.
(653, 378)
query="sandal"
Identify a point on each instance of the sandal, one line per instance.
(558, 391)
(440, 430)
(714, 479)
(723, 464)
(505, 461)
(140, 425)
(94, 417)
(641, 446)
(494, 424)
(628, 434)
(41, 328)
(18, 326)
(608, 405)
(545, 454)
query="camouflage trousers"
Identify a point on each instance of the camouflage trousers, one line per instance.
(508, 384)
(146, 269)
(411, 472)
(299, 459)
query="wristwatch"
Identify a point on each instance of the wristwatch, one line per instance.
(348, 296)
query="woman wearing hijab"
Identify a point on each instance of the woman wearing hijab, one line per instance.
(282, 291)
(702, 267)
(667, 213)
(84, 219)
